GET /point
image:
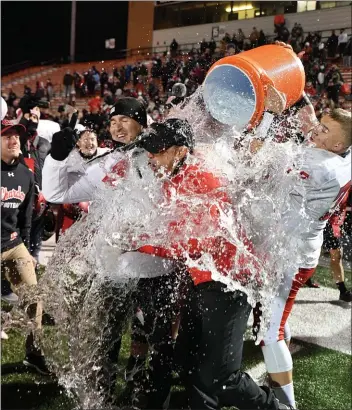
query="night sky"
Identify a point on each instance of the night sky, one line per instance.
(40, 31)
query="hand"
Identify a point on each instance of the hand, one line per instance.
(255, 145)
(282, 44)
(306, 115)
(301, 54)
(169, 100)
(275, 100)
(62, 143)
(35, 111)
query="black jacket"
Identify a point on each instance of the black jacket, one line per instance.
(17, 194)
(332, 41)
(37, 150)
(68, 79)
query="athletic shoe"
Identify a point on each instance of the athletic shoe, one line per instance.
(10, 298)
(37, 362)
(4, 336)
(346, 296)
(311, 284)
(286, 407)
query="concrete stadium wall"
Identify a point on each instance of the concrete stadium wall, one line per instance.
(317, 20)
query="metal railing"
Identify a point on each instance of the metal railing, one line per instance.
(126, 54)
(143, 52)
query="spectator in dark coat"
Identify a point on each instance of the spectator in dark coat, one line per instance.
(334, 81)
(212, 46)
(90, 83)
(40, 91)
(104, 78)
(240, 38)
(262, 38)
(332, 44)
(11, 98)
(173, 48)
(203, 46)
(348, 53)
(254, 37)
(67, 82)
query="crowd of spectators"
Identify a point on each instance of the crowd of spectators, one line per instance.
(323, 78)
(153, 81)
(319, 56)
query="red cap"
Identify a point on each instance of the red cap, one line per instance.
(7, 125)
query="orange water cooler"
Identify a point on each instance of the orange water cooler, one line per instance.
(235, 87)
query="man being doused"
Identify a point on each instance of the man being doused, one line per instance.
(213, 321)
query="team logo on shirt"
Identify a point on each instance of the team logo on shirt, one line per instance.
(12, 194)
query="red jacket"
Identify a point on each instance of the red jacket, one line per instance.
(192, 181)
(67, 215)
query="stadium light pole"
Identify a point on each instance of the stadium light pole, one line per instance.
(73, 31)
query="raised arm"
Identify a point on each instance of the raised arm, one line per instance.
(60, 185)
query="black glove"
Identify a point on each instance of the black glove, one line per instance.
(31, 128)
(27, 102)
(64, 141)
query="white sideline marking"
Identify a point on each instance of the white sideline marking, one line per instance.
(318, 317)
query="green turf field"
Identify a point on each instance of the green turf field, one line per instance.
(324, 278)
(322, 376)
(322, 379)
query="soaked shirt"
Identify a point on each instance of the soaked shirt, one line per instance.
(323, 184)
(70, 182)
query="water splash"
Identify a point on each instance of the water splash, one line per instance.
(89, 264)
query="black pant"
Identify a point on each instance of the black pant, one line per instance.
(36, 235)
(5, 287)
(342, 47)
(114, 312)
(332, 51)
(158, 298)
(333, 93)
(210, 346)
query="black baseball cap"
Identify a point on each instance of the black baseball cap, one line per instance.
(161, 136)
